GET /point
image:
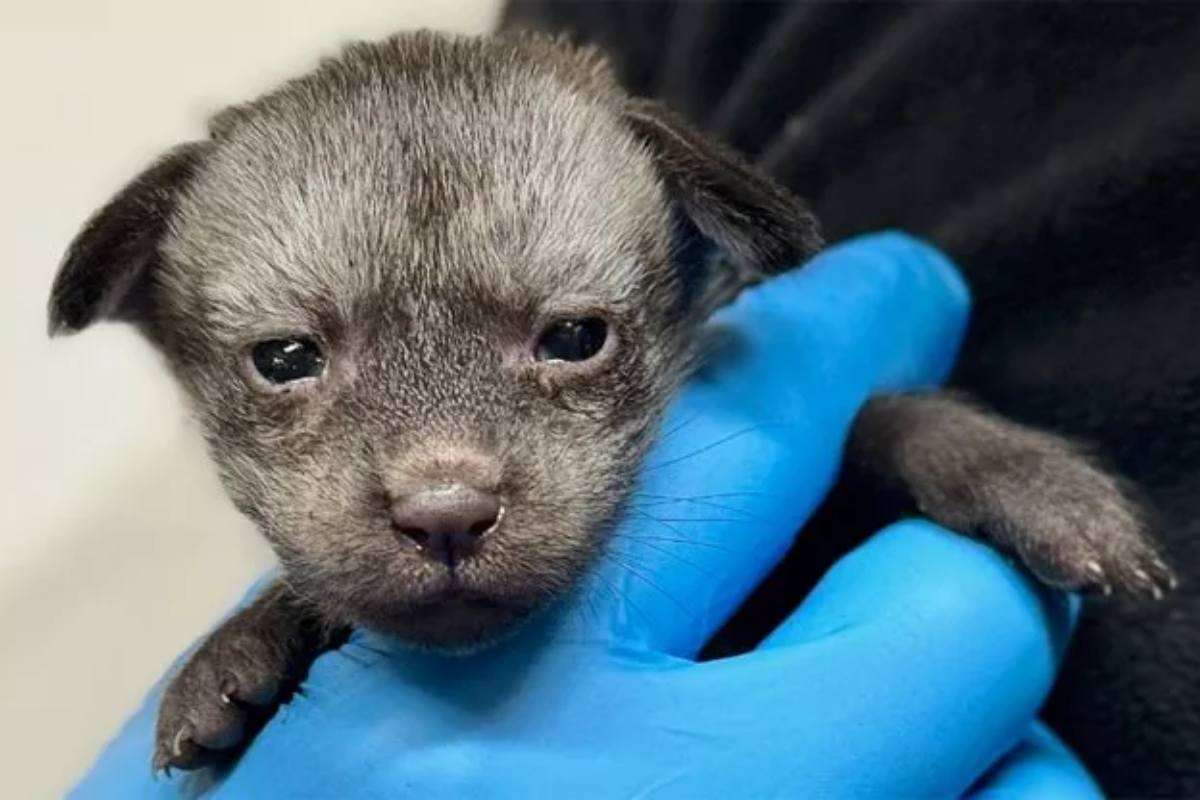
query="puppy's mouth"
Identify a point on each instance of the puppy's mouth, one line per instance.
(455, 617)
(453, 598)
(449, 612)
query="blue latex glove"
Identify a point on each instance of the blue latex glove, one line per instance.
(915, 668)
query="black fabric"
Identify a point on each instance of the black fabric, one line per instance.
(1054, 150)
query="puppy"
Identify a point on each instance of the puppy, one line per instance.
(429, 303)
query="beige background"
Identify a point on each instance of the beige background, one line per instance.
(117, 547)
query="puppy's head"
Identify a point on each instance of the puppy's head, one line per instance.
(428, 303)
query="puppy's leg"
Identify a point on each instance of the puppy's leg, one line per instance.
(237, 677)
(1032, 494)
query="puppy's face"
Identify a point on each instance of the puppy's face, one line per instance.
(475, 290)
(428, 303)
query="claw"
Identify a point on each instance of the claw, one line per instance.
(177, 742)
(1168, 574)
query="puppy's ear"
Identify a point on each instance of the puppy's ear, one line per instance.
(735, 226)
(105, 271)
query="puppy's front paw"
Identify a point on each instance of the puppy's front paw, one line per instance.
(218, 698)
(1031, 493)
(1070, 523)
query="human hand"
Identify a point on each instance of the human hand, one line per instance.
(917, 663)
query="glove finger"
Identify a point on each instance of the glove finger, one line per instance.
(754, 441)
(915, 664)
(1041, 766)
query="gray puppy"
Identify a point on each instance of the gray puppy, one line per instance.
(429, 303)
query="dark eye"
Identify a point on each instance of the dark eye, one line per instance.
(572, 340)
(287, 360)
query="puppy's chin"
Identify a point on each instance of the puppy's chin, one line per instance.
(454, 620)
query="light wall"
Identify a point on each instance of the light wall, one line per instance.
(117, 547)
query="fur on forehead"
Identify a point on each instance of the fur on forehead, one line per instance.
(422, 166)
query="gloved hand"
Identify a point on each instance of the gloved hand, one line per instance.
(915, 668)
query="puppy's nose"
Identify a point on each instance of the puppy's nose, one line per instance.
(446, 521)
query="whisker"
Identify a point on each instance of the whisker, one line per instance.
(651, 503)
(629, 568)
(712, 445)
(693, 501)
(701, 519)
(673, 430)
(620, 596)
(711, 496)
(681, 533)
(581, 613)
(653, 518)
(591, 603)
(720, 441)
(587, 595)
(668, 552)
(693, 542)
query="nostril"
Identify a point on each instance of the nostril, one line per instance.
(489, 517)
(444, 521)
(421, 537)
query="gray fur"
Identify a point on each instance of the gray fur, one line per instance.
(422, 207)
(397, 212)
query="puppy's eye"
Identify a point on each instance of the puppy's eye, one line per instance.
(572, 340)
(286, 360)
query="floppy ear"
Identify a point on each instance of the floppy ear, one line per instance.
(736, 226)
(105, 271)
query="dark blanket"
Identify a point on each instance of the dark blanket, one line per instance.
(1054, 150)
